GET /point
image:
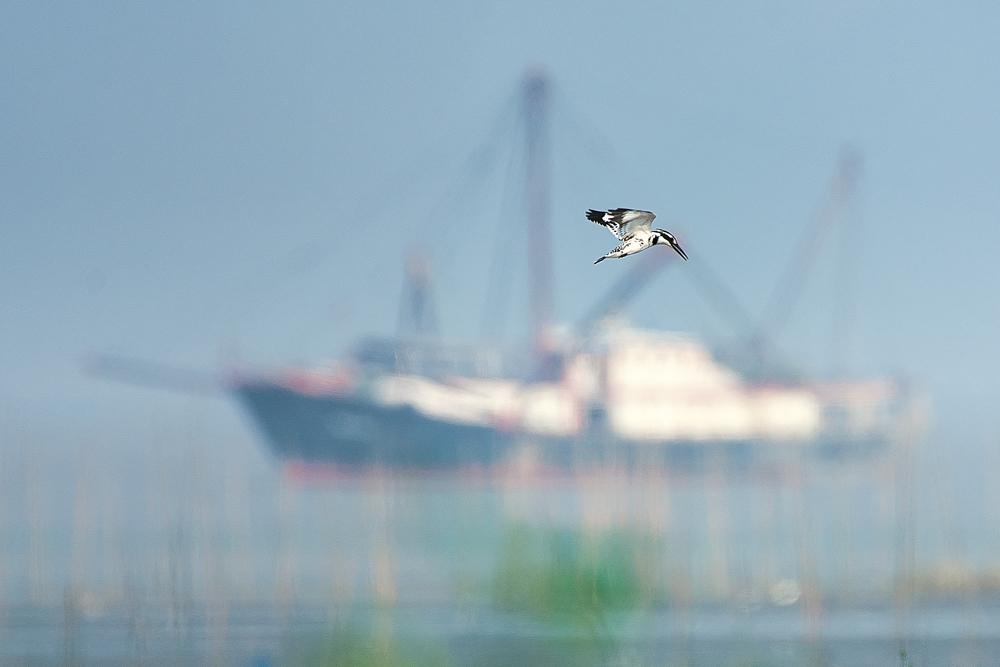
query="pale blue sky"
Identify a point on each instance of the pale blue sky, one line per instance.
(180, 180)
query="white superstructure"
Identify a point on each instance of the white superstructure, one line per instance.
(646, 387)
(666, 386)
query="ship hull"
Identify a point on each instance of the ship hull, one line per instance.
(349, 431)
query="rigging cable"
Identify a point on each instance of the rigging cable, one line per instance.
(504, 258)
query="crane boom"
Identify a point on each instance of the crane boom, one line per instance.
(644, 268)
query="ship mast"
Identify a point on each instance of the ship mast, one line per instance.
(536, 99)
(417, 316)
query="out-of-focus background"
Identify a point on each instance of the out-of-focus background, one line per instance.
(303, 359)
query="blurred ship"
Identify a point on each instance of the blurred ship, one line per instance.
(604, 393)
(624, 396)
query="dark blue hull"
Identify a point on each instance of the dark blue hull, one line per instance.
(353, 432)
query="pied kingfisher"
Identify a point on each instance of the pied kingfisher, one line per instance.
(632, 228)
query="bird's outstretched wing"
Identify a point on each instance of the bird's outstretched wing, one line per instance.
(632, 220)
(623, 222)
(604, 219)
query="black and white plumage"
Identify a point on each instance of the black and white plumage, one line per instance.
(633, 227)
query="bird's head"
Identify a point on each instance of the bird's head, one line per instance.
(663, 236)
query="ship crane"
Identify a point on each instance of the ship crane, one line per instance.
(625, 289)
(761, 332)
(788, 289)
(712, 288)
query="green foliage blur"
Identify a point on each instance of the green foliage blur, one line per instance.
(567, 575)
(370, 649)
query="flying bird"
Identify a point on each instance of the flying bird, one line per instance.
(634, 229)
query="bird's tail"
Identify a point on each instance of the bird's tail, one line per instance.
(596, 216)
